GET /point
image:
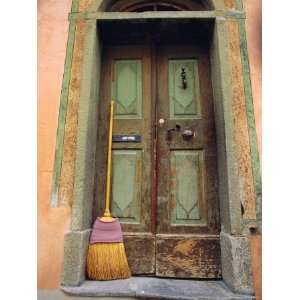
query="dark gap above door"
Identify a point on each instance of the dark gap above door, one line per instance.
(160, 32)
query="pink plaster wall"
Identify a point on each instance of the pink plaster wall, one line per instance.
(254, 37)
(52, 39)
(52, 222)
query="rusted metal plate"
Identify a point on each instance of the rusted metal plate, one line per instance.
(188, 256)
(140, 250)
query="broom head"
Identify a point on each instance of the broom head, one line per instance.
(106, 259)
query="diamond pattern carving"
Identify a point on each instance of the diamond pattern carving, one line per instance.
(126, 183)
(127, 88)
(186, 189)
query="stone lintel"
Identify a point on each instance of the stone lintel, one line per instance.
(206, 15)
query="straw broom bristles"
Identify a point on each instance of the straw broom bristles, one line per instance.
(107, 261)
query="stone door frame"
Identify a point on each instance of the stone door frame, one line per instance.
(239, 184)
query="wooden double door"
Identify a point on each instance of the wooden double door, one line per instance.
(165, 188)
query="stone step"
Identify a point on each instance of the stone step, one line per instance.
(156, 288)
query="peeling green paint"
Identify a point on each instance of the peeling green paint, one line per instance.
(75, 6)
(63, 109)
(239, 4)
(251, 121)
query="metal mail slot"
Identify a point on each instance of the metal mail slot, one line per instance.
(133, 138)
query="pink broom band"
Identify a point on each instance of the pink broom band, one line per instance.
(106, 232)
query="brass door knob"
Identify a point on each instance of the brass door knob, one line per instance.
(161, 122)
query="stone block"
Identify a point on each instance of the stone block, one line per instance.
(75, 252)
(155, 288)
(236, 263)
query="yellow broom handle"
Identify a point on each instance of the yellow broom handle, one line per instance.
(108, 177)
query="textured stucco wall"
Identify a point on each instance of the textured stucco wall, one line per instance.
(253, 26)
(52, 222)
(52, 38)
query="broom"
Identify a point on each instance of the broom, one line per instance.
(106, 259)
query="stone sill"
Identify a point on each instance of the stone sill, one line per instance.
(156, 288)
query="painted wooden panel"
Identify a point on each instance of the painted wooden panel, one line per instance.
(127, 185)
(127, 88)
(184, 101)
(187, 190)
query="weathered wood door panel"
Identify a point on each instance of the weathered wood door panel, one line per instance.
(126, 79)
(187, 243)
(164, 188)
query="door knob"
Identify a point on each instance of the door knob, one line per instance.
(161, 122)
(188, 133)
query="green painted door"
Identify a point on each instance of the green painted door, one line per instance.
(126, 79)
(188, 226)
(164, 187)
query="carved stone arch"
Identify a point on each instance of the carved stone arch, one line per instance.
(107, 5)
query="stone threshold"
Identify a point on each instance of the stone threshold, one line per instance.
(156, 288)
